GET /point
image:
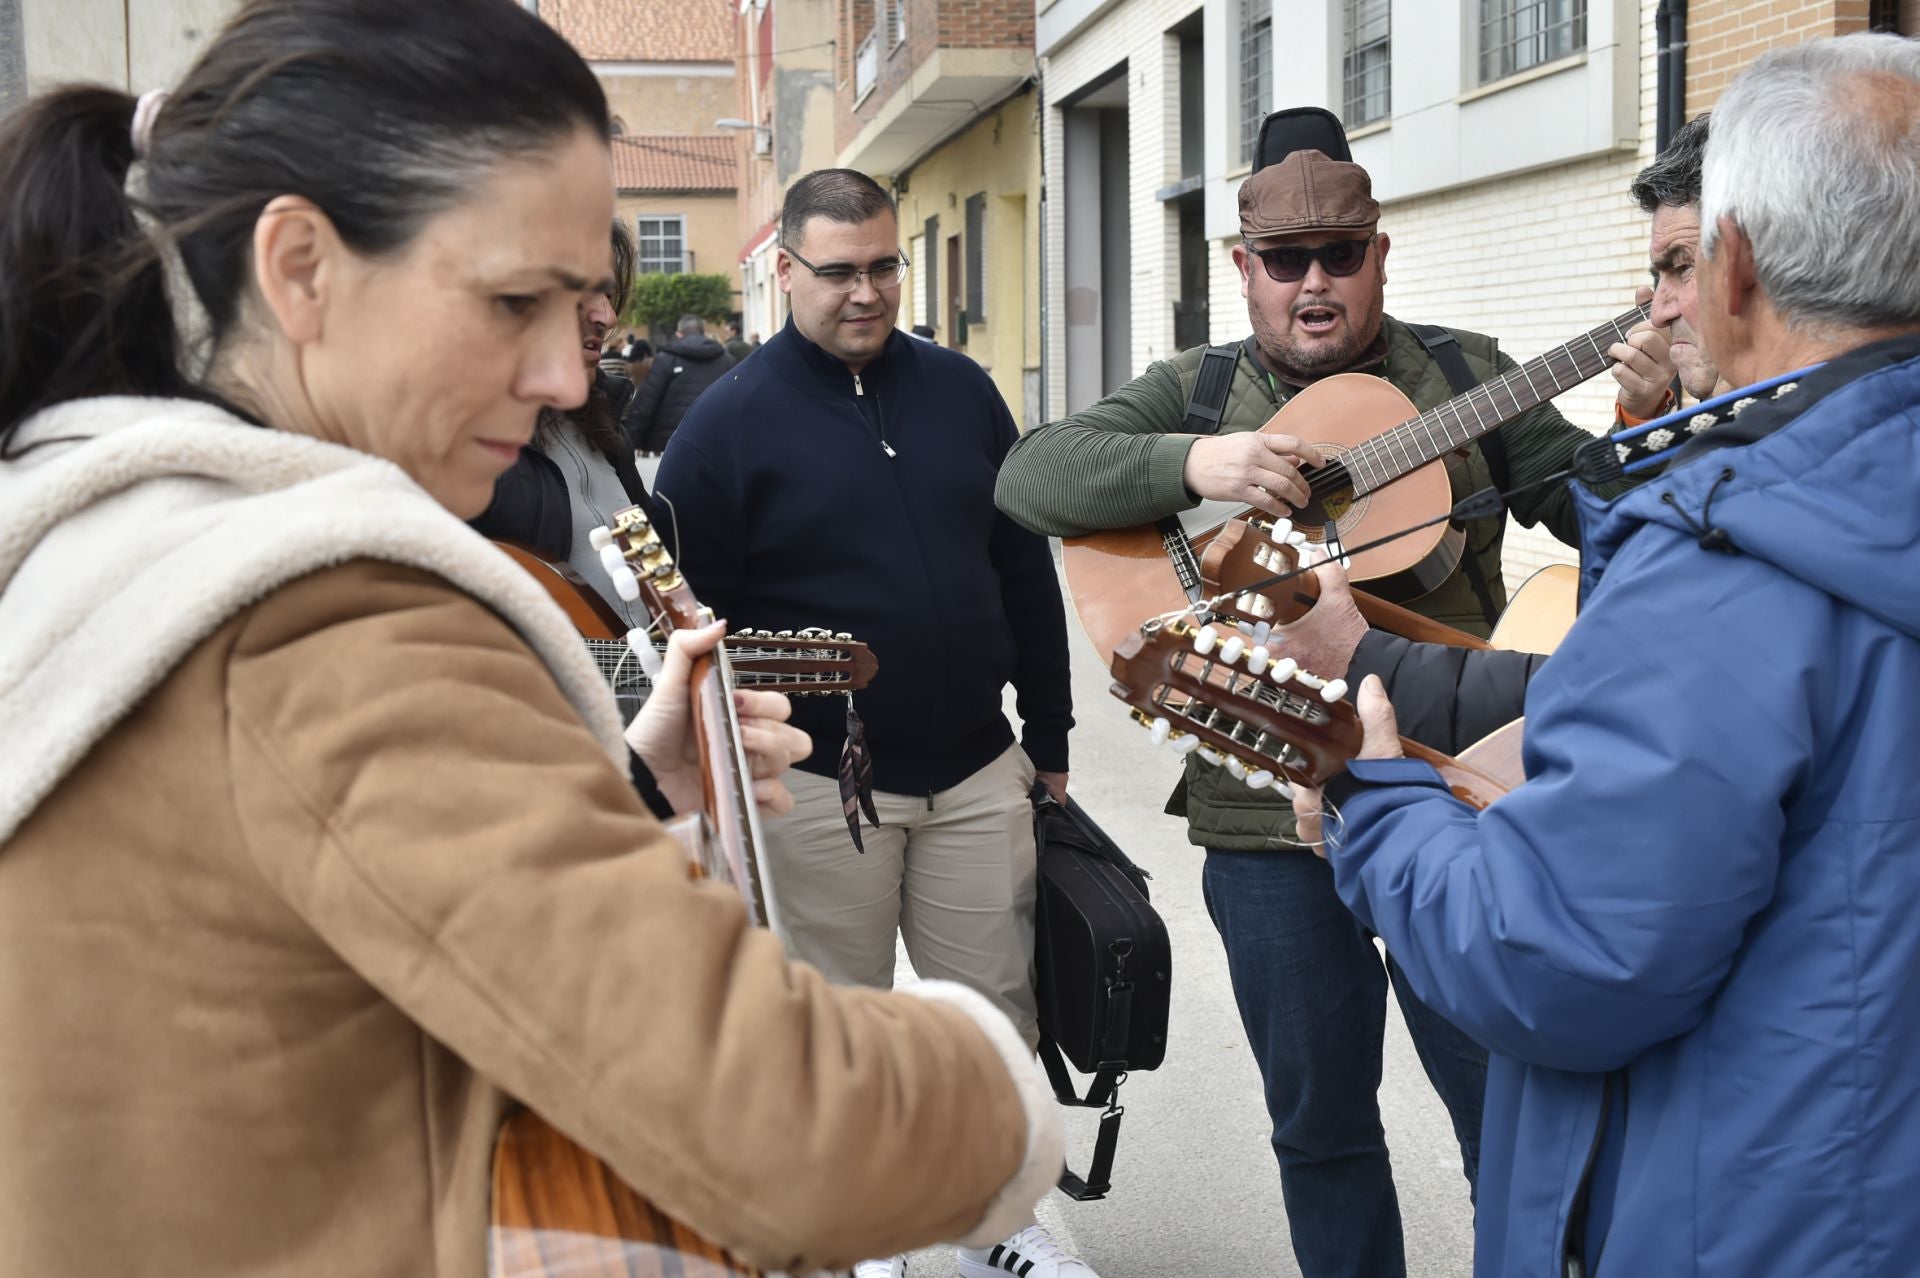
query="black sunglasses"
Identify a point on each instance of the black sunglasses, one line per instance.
(1289, 265)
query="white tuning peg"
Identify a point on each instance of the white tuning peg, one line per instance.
(1258, 658)
(1335, 689)
(1161, 729)
(1204, 640)
(1308, 679)
(1184, 745)
(642, 647)
(611, 559)
(1259, 780)
(1282, 530)
(1236, 769)
(600, 538)
(1262, 632)
(1232, 649)
(1210, 755)
(625, 584)
(1284, 670)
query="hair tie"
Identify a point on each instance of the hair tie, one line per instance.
(144, 113)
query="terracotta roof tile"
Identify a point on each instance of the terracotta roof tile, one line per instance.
(645, 30)
(664, 163)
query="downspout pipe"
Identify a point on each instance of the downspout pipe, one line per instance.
(1670, 62)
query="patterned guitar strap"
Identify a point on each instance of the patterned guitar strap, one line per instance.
(856, 777)
(1649, 447)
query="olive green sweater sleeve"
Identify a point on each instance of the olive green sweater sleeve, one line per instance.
(1115, 464)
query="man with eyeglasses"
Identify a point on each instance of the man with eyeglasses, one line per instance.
(1310, 986)
(843, 477)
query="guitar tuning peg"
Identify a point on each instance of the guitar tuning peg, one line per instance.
(1262, 631)
(1210, 755)
(611, 559)
(1258, 659)
(1335, 689)
(1161, 730)
(1236, 769)
(783, 634)
(625, 584)
(1231, 650)
(1308, 679)
(1280, 530)
(1184, 744)
(600, 538)
(1259, 780)
(843, 636)
(1257, 604)
(1284, 670)
(1204, 640)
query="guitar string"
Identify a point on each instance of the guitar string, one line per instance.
(1365, 455)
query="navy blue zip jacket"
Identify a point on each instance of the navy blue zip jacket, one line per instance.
(807, 496)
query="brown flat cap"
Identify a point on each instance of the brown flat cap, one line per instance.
(1307, 192)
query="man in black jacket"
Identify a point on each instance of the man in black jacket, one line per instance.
(686, 366)
(843, 477)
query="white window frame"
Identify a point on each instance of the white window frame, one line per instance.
(658, 263)
(1577, 25)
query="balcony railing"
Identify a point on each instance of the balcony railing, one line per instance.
(866, 66)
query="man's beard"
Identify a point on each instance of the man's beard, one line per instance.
(1286, 354)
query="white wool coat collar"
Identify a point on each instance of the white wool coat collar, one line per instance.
(121, 551)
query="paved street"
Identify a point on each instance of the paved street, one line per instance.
(1195, 1190)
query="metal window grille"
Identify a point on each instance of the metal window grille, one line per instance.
(931, 273)
(1518, 34)
(663, 245)
(976, 258)
(1368, 62)
(1256, 71)
(896, 22)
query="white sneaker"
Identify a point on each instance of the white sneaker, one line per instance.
(1031, 1253)
(895, 1268)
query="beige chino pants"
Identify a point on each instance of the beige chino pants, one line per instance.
(954, 877)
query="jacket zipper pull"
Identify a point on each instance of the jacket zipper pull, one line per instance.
(858, 389)
(888, 448)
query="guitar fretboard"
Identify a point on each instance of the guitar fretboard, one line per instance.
(1464, 418)
(624, 673)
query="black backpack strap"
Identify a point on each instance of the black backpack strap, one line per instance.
(1210, 390)
(1204, 408)
(1445, 349)
(1103, 1092)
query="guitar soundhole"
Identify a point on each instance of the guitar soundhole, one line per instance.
(1334, 501)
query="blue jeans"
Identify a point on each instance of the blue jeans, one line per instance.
(1313, 998)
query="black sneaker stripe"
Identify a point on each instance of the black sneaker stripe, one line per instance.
(993, 1257)
(1024, 1268)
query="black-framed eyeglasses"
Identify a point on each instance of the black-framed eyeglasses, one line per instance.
(1289, 264)
(844, 279)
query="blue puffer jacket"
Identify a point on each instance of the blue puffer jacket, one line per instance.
(1692, 939)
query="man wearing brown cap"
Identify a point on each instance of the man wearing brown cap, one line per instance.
(1310, 986)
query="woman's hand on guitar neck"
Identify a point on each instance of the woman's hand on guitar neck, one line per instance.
(1380, 739)
(1255, 469)
(662, 733)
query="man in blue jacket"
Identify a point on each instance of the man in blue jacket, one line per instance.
(843, 477)
(1689, 938)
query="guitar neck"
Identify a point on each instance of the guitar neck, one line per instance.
(728, 780)
(1466, 417)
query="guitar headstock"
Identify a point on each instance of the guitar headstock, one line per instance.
(640, 565)
(1266, 721)
(808, 662)
(1249, 550)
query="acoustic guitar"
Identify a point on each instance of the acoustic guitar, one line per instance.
(1384, 473)
(809, 662)
(1267, 722)
(557, 1210)
(1251, 550)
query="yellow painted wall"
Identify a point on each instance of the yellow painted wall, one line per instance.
(1000, 157)
(710, 229)
(676, 104)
